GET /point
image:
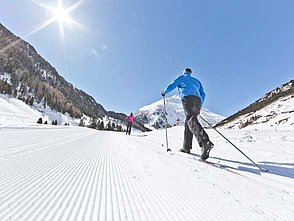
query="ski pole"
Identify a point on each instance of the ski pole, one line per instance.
(166, 138)
(233, 145)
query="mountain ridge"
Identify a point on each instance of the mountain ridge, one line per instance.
(153, 115)
(272, 108)
(33, 79)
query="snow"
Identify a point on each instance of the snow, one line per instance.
(15, 113)
(74, 173)
(174, 109)
(278, 115)
(6, 77)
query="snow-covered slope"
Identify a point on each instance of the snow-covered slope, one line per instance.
(278, 115)
(275, 110)
(153, 115)
(74, 173)
(16, 113)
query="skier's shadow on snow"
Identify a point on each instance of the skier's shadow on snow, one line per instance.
(241, 168)
(279, 168)
(273, 167)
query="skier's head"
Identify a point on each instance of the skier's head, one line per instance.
(131, 114)
(187, 71)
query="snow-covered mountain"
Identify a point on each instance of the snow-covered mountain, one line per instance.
(275, 110)
(153, 115)
(27, 76)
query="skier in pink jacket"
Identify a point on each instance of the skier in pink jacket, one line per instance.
(130, 120)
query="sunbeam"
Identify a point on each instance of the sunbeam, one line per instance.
(60, 15)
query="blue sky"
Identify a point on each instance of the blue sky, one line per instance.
(126, 52)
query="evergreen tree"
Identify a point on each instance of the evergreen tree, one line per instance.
(27, 100)
(119, 128)
(31, 102)
(9, 89)
(108, 126)
(93, 123)
(40, 121)
(101, 126)
(82, 123)
(113, 126)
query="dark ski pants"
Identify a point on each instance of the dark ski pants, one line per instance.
(191, 106)
(129, 127)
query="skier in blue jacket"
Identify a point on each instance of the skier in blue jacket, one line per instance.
(193, 96)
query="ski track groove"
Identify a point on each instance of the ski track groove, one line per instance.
(179, 195)
(90, 191)
(46, 203)
(87, 178)
(154, 205)
(100, 201)
(16, 172)
(114, 204)
(47, 188)
(119, 193)
(221, 214)
(119, 168)
(79, 195)
(21, 185)
(220, 209)
(35, 175)
(96, 183)
(29, 148)
(72, 189)
(116, 191)
(146, 187)
(131, 190)
(43, 183)
(81, 174)
(165, 195)
(75, 197)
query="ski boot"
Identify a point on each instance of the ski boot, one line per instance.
(184, 150)
(206, 147)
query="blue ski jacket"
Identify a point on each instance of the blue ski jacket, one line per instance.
(187, 85)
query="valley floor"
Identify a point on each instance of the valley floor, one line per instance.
(72, 173)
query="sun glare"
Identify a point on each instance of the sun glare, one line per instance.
(60, 15)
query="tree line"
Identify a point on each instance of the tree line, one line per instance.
(100, 125)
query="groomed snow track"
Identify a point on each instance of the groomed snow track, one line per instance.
(83, 174)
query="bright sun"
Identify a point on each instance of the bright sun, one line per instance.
(60, 15)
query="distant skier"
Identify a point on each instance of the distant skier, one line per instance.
(130, 121)
(192, 95)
